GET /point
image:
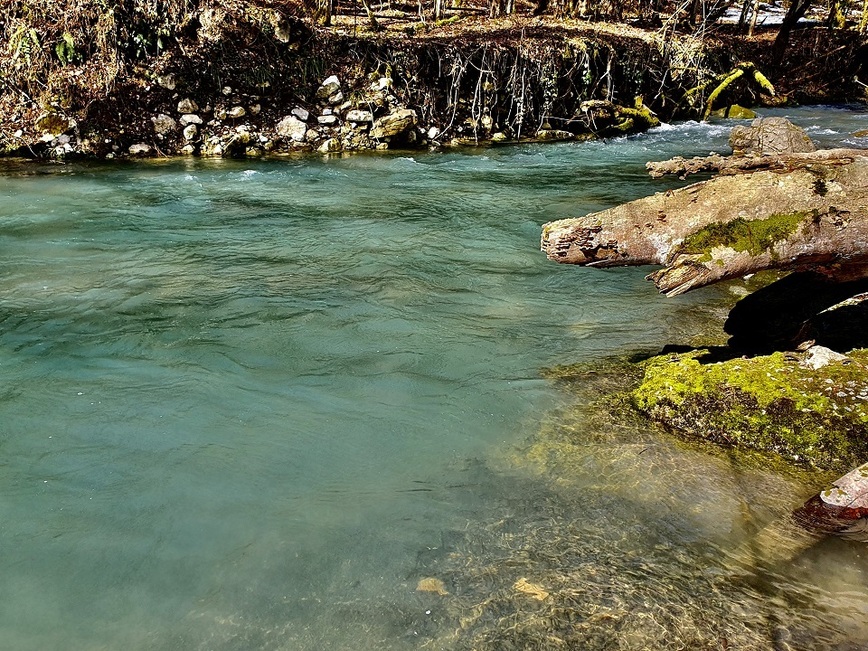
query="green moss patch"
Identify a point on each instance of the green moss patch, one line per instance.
(753, 236)
(768, 403)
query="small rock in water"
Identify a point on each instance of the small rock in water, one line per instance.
(531, 589)
(432, 584)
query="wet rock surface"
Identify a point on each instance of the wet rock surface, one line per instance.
(770, 136)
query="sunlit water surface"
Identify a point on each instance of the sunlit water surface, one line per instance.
(249, 404)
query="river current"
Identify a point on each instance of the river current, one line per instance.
(251, 404)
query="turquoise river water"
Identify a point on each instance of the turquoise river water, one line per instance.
(250, 404)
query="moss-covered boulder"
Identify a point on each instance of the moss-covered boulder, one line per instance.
(772, 403)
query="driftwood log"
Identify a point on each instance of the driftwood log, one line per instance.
(716, 163)
(806, 210)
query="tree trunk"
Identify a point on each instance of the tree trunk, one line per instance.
(753, 17)
(797, 10)
(813, 214)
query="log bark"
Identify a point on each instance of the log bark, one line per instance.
(683, 167)
(814, 214)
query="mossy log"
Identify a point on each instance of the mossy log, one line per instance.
(811, 216)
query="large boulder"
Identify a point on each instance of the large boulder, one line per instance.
(395, 123)
(770, 136)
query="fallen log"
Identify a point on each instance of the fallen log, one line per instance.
(811, 214)
(716, 163)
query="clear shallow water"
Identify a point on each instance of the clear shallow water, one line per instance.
(242, 403)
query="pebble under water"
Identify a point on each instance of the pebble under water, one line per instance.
(252, 404)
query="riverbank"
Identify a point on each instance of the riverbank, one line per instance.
(249, 81)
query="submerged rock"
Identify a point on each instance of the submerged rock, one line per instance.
(772, 403)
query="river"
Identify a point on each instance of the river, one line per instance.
(250, 404)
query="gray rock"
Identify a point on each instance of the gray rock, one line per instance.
(187, 105)
(188, 150)
(553, 135)
(291, 127)
(237, 112)
(819, 356)
(312, 135)
(336, 98)
(164, 124)
(770, 136)
(300, 113)
(330, 146)
(167, 81)
(433, 132)
(358, 115)
(255, 109)
(190, 132)
(327, 120)
(140, 149)
(328, 88)
(190, 118)
(396, 123)
(227, 90)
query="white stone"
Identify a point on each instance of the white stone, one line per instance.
(139, 149)
(327, 120)
(227, 90)
(358, 115)
(291, 127)
(433, 132)
(255, 109)
(190, 131)
(819, 356)
(190, 118)
(301, 114)
(220, 113)
(237, 112)
(328, 87)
